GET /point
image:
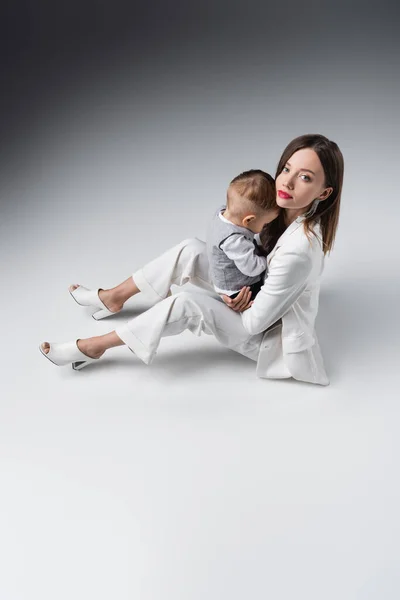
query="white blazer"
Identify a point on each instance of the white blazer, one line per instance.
(286, 308)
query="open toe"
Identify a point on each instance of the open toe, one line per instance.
(85, 297)
(66, 353)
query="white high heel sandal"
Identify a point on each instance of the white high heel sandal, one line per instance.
(85, 297)
(67, 353)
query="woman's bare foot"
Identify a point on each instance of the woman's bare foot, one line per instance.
(91, 347)
(108, 297)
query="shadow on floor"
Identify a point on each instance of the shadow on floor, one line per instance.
(179, 363)
(356, 323)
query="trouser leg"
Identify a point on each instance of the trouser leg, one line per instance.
(183, 263)
(197, 312)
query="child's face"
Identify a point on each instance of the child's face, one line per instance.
(258, 223)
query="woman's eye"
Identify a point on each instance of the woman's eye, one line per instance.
(307, 178)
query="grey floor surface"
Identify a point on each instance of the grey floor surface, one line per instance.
(191, 478)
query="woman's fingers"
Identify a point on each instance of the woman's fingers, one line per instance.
(246, 303)
(250, 304)
(241, 301)
(227, 300)
(234, 303)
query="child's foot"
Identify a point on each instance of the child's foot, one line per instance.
(90, 347)
(107, 297)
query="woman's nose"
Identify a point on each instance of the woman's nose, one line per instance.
(288, 183)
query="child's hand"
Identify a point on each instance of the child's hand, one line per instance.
(242, 301)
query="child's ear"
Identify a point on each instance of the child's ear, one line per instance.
(247, 220)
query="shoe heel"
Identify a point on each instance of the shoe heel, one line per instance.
(77, 366)
(101, 314)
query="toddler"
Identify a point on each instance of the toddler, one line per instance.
(234, 256)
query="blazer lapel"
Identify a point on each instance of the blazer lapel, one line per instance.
(288, 231)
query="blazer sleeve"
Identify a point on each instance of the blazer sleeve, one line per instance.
(287, 279)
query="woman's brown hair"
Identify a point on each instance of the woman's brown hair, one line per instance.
(327, 212)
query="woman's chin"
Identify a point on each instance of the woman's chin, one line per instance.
(283, 202)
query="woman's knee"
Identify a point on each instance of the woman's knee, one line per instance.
(185, 302)
(182, 298)
(193, 263)
(193, 245)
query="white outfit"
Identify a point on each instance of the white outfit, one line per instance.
(277, 331)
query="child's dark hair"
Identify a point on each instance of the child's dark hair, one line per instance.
(257, 187)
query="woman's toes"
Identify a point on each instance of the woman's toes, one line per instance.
(46, 347)
(73, 287)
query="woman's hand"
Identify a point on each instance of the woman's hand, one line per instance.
(242, 301)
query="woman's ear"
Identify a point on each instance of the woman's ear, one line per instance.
(325, 194)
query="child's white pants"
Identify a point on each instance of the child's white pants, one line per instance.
(196, 311)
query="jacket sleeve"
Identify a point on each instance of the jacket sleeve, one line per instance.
(287, 279)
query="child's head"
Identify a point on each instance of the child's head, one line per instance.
(251, 200)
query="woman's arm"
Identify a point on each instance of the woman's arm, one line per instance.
(287, 279)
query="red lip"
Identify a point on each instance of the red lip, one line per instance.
(282, 194)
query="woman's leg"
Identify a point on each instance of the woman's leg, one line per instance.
(187, 261)
(197, 312)
(183, 263)
(115, 298)
(193, 311)
(93, 347)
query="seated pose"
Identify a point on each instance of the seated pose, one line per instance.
(276, 329)
(234, 256)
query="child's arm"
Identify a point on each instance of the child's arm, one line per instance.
(243, 253)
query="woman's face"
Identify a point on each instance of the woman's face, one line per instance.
(301, 181)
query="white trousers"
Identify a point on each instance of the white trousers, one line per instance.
(196, 311)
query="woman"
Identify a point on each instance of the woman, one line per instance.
(277, 328)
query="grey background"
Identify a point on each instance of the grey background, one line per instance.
(121, 126)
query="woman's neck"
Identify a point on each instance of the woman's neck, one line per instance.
(291, 215)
